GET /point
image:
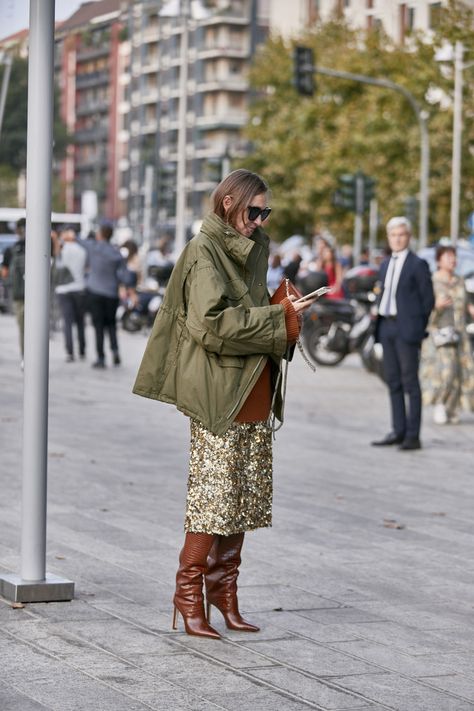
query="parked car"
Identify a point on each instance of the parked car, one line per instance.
(6, 240)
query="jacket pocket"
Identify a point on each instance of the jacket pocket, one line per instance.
(226, 361)
(235, 289)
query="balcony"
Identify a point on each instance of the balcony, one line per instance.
(92, 107)
(230, 83)
(150, 65)
(90, 165)
(235, 120)
(149, 96)
(85, 81)
(85, 53)
(236, 16)
(149, 126)
(150, 34)
(91, 135)
(216, 51)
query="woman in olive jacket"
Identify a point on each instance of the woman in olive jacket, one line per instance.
(215, 352)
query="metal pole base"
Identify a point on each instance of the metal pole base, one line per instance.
(52, 589)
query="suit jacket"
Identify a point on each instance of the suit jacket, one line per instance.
(414, 298)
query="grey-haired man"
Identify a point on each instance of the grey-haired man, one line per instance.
(404, 308)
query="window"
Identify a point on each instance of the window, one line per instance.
(411, 19)
(436, 15)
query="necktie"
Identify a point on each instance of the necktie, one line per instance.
(388, 303)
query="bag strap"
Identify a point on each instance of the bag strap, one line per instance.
(283, 379)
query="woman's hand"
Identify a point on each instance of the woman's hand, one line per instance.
(300, 306)
(442, 302)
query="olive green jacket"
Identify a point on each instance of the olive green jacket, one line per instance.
(215, 328)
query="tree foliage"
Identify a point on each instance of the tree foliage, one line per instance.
(14, 130)
(301, 145)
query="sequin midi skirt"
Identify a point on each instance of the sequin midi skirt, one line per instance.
(230, 479)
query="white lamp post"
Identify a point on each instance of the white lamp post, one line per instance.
(448, 53)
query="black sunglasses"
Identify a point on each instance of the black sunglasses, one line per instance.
(255, 212)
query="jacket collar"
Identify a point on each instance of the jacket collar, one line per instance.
(232, 242)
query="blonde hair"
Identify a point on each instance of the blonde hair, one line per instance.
(241, 185)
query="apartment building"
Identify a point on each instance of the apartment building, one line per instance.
(397, 18)
(89, 63)
(220, 47)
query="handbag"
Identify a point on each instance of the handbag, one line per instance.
(61, 275)
(284, 290)
(446, 336)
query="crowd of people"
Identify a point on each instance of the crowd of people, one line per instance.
(92, 276)
(218, 348)
(434, 363)
(87, 277)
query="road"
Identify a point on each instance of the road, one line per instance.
(363, 588)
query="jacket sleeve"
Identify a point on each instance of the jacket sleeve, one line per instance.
(425, 288)
(221, 325)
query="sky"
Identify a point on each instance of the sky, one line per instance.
(14, 14)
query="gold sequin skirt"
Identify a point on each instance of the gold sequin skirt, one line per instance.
(230, 479)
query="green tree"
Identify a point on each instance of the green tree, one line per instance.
(13, 137)
(301, 145)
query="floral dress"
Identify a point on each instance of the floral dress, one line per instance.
(447, 372)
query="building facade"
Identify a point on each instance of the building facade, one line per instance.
(395, 17)
(89, 63)
(219, 50)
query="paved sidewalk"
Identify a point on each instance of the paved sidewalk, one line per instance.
(364, 588)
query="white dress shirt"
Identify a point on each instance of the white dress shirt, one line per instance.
(389, 308)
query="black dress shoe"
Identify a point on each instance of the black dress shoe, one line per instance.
(389, 439)
(410, 443)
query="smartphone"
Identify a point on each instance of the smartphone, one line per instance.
(314, 294)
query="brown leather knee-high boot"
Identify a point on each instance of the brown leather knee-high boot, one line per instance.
(188, 598)
(221, 581)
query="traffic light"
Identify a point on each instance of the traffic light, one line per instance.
(345, 195)
(303, 70)
(411, 209)
(355, 192)
(369, 191)
(167, 187)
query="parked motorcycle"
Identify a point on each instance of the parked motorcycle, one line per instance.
(140, 313)
(333, 328)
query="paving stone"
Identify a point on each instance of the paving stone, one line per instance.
(260, 700)
(454, 683)
(374, 606)
(307, 688)
(405, 639)
(311, 657)
(391, 659)
(268, 597)
(118, 637)
(298, 624)
(402, 694)
(13, 700)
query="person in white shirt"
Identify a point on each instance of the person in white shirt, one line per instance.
(70, 267)
(405, 306)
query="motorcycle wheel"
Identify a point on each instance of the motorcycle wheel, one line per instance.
(314, 342)
(131, 322)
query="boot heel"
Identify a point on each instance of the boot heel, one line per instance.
(175, 618)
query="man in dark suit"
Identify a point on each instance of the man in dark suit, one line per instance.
(404, 308)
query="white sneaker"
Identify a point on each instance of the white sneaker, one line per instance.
(439, 415)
